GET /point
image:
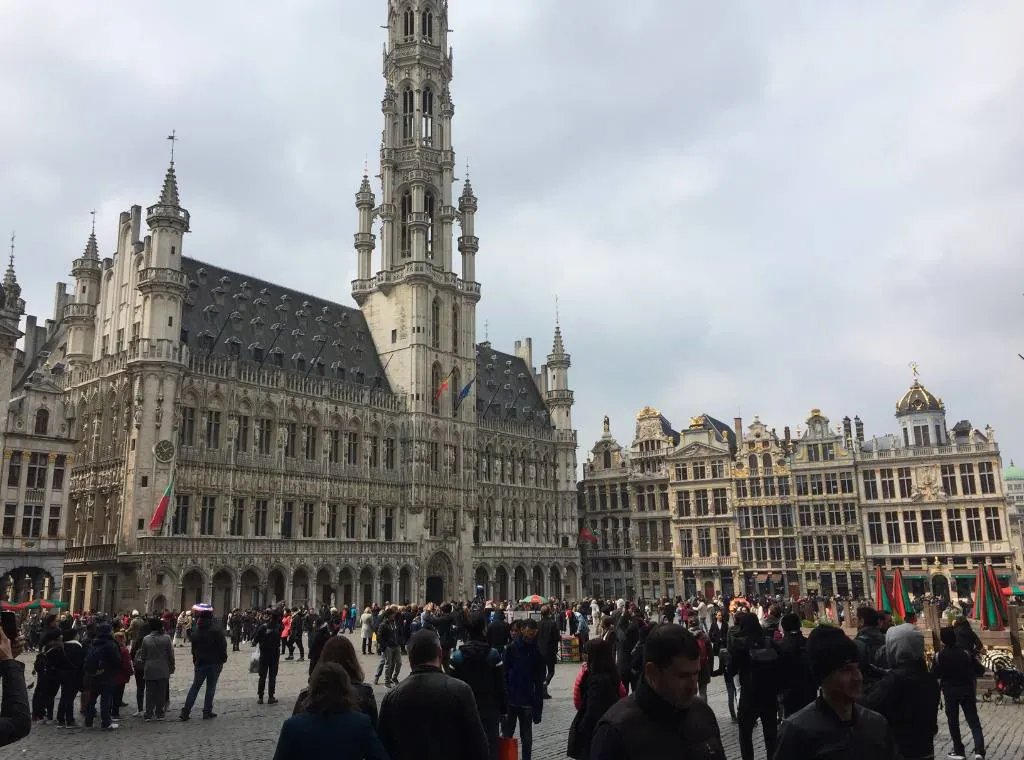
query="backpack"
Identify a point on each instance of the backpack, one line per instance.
(764, 666)
(96, 660)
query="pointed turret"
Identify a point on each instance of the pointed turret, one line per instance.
(11, 286)
(469, 243)
(168, 211)
(558, 347)
(365, 240)
(92, 251)
(557, 396)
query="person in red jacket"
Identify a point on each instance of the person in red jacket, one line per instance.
(123, 676)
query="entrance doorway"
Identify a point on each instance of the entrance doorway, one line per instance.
(435, 589)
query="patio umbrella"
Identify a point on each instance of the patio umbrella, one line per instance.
(1013, 591)
(996, 599)
(42, 604)
(900, 598)
(202, 607)
(533, 599)
(882, 601)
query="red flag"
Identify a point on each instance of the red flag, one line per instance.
(589, 536)
(161, 508)
(441, 389)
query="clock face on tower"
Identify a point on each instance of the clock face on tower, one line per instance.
(164, 451)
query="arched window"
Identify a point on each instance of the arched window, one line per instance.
(42, 422)
(766, 463)
(435, 323)
(435, 384)
(455, 386)
(408, 24)
(428, 207)
(427, 25)
(403, 223)
(408, 110)
(752, 461)
(428, 116)
(607, 460)
(488, 456)
(455, 328)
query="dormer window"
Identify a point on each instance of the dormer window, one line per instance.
(277, 357)
(42, 425)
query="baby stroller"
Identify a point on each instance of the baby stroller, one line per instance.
(1009, 684)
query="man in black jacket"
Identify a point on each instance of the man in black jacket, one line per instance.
(548, 638)
(479, 665)
(798, 688)
(101, 668)
(834, 725)
(268, 639)
(15, 715)
(209, 653)
(663, 717)
(954, 668)
(430, 715)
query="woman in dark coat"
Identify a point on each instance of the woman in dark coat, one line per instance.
(598, 688)
(331, 719)
(340, 651)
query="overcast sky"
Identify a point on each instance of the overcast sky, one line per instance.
(744, 207)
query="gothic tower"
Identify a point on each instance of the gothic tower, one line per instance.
(12, 307)
(80, 314)
(421, 312)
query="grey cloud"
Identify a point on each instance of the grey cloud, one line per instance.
(762, 207)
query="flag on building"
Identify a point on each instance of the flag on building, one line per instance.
(161, 508)
(442, 387)
(464, 392)
(589, 536)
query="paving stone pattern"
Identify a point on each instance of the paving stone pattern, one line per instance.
(244, 730)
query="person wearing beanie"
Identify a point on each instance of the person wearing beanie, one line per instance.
(835, 725)
(799, 687)
(101, 667)
(908, 695)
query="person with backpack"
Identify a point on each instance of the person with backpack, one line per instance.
(67, 659)
(798, 687)
(101, 668)
(870, 641)
(754, 657)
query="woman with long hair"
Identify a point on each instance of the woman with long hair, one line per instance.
(597, 688)
(331, 719)
(340, 651)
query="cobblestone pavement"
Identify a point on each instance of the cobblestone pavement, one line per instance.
(244, 730)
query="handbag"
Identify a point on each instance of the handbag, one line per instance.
(508, 748)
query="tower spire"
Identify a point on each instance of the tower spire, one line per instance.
(91, 248)
(12, 290)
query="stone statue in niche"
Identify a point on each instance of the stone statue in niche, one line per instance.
(138, 415)
(159, 414)
(499, 533)
(282, 437)
(533, 526)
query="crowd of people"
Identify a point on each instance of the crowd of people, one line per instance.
(483, 670)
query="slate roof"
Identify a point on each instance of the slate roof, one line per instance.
(231, 315)
(506, 390)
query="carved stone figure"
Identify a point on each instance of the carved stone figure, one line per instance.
(282, 437)
(607, 426)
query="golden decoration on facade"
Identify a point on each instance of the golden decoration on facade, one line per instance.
(648, 411)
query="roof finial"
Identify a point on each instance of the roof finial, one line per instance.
(173, 137)
(915, 368)
(486, 331)
(93, 215)
(10, 261)
(366, 166)
(557, 320)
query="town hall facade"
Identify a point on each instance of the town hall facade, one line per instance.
(315, 453)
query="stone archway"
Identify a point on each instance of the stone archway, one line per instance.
(572, 581)
(159, 603)
(556, 583)
(191, 589)
(537, 582)
(405, 585)
(223, 592)
(387, 585)
(252, 590)
(521, 585)
(300, 588)
(275, 586)
(23, 584)
(940, 586)
(366, 587)
(501, 584)
(347, 586)
(482, 582)
(324, 588)
(439, 578)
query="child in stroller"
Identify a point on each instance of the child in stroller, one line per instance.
(1009, 684)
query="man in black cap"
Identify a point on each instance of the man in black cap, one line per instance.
(834, 721)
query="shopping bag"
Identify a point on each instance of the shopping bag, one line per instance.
(508, 748)
(254, 663)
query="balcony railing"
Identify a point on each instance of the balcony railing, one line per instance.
(259, 547)
(94, 553)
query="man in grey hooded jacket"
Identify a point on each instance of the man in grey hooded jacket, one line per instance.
(908, 695)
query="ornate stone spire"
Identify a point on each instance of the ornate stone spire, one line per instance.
(11, 288)
(558, 347)
(467, 186)
(169, 193)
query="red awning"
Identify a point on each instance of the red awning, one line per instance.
(762, 577)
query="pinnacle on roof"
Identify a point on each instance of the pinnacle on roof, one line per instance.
(558, 348)
(91, 248)
(169, 193)
(467, 186)
(364, 186)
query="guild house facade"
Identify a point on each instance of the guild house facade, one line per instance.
(318, 453)
(753, 512)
